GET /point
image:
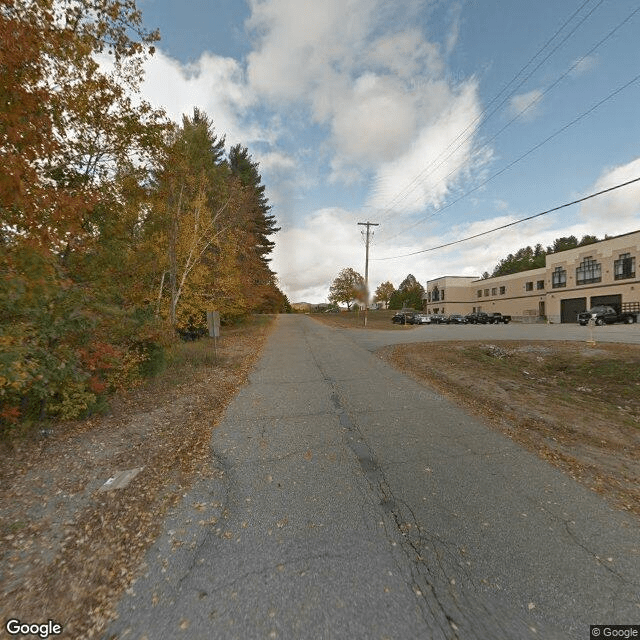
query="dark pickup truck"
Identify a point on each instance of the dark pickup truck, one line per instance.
(602, 314)
(498, 318)
(477, 317)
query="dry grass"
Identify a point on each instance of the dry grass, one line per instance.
(68, 551)
(574, 405)
(355, 320)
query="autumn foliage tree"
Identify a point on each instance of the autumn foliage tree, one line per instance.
(384, 292)
(347, 287)
(116, 226)
(68, 127)
(210, 230)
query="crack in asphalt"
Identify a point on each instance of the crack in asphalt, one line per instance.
(433, 612)
(447, 610)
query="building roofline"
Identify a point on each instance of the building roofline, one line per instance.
(442, 277)
(622, 235)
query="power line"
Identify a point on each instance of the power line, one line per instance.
(524, 155)
(539, 97)
(483, 117)
(511, 224)
(556, 82)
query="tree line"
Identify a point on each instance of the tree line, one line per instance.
(118, 228)
(349, 288)
(534, 257)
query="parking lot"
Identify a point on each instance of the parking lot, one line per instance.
(381, 331)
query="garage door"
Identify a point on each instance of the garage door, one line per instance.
(571, 307)
(611, 301)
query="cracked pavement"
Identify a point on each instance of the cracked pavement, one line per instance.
(354, 503)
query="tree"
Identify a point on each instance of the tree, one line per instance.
(347, 287)
(409, 294)
(191, 212)
(563, 244)
(384, 293)
(587, 239)
(523, 260)
(258, 225)
(71, 200)
(528, 258)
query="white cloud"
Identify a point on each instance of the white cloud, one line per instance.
(424, 173)
(376, 82)
(307, 258)
(616, 212)
(526, 105)
(583, 65)
(213, 83)
(281, 174)
(275, 161)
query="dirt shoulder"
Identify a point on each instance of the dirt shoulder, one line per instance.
(68, 549)
(576, 406)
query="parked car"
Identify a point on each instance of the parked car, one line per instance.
(605, 315)
(404, 316)
(456, 318)
(498, 318)
(420, 318)
(477, 317)
(438, 318)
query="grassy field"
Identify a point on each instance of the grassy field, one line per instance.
(354, 319)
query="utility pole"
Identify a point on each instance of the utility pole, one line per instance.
(366, 267)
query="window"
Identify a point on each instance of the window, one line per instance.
(624, 267)
(589, 271)
(503, 290)
(540, 284)
(494, 291)
(559, 278)
(442, 295)
(528, 286)
(479, 293)
(486, 292)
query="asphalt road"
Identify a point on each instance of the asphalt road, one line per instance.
(355, 503)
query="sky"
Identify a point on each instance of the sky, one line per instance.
(435, 119)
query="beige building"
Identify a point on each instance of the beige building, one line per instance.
(447, 295)
(572, 281)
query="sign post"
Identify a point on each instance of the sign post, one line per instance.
(213, 324)
(591, 324)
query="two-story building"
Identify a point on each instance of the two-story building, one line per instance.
(571, 281)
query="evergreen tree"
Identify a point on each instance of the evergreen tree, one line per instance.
(563, 244)
(262, 222)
